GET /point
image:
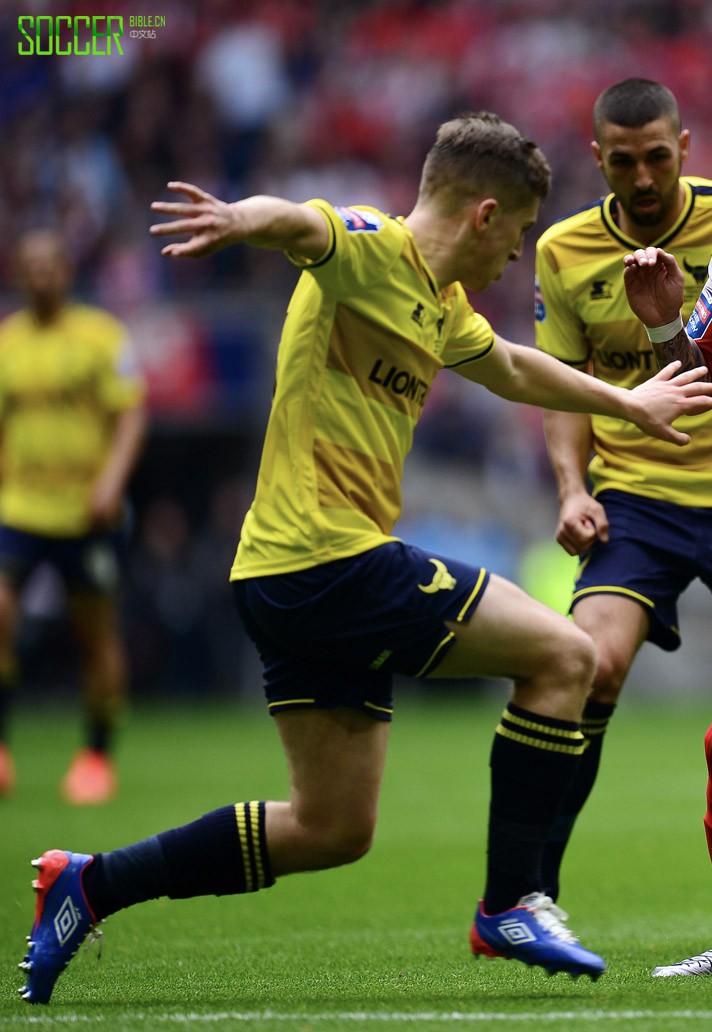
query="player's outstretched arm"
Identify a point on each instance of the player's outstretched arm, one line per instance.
(260, 221)
(654, 285)
(526, 375)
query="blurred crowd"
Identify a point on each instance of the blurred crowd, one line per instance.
(304, 99)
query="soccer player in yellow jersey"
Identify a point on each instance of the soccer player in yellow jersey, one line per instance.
(643, 530)
(655, 286)
(335, 603)
(71, 427)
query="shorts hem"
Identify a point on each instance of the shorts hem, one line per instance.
(371, 709)
(665, 636)
(611, 589)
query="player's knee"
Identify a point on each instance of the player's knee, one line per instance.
(577, 659)
(611, 673)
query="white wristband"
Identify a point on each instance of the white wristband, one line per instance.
(659, 334)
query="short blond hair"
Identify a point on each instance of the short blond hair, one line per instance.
(478, 154)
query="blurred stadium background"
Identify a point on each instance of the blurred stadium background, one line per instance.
(305, 98)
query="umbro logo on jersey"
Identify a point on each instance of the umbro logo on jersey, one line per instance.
(66, 921)
(442, 580)
(601, 290)
(515, 931)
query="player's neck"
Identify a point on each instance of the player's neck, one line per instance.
(434, 240)
(46, 310)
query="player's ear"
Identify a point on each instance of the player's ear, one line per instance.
(484, 212)
(597, 154)
(684, 144)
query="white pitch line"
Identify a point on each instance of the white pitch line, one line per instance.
(360, 1017)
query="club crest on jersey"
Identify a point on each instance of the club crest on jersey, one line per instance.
(359, 221)
(539, 306)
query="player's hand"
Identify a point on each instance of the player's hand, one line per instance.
(106, 504)
(582, 520)
(654, 285)
(665, 397)
(211, 223)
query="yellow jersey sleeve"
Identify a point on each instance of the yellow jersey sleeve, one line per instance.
(470, 335)
(121, 383)
(364, 244)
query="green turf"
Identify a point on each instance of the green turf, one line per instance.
(381, 944)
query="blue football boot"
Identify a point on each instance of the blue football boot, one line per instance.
(63, 919)
(534, 932)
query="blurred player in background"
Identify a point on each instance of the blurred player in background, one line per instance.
(335, 603)
(643, 531)
(655, 286)
(71, 428)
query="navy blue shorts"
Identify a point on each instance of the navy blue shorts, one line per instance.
(334, 635)
(656, 549)
(92, 563)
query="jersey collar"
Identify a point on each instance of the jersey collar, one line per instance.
(609, 214)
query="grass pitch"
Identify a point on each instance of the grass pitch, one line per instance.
(382, 944)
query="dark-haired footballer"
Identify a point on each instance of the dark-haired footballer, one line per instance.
(655, 286)
(637, 511)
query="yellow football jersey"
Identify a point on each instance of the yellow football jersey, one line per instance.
(365, 334)
(582, 316)
(61, 386)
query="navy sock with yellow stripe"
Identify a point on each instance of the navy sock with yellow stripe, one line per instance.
(593, 725)
(532, 763)
(222, 853)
